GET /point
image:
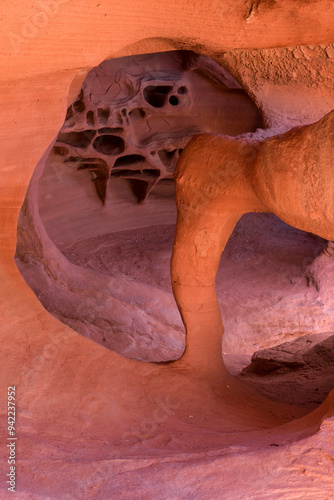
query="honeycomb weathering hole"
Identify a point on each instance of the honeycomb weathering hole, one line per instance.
(110, 145)
(123, 139)
(128, 160)
(173, 100)
(156, 96)
(77, 139)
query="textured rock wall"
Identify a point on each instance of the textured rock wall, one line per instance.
(133, 117)
(84, 409)
(119, 144)
(279, 303)
(292, 86)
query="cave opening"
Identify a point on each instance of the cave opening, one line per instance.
(156, 96)
(106, 201)
(173, 100)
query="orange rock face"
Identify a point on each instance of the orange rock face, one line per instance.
(218, 179)
(114, 427)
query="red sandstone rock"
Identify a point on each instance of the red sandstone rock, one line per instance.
(85, 410)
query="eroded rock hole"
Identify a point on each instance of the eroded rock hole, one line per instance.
(157, 96)
(90, 118)
(137, 114)
(79, 106)
(110, 145)
(103, 115)
(77, 139)
(166, 156)
(118, 148)
(182, 90)
(140, 188)
(90, 163)
(136, 173)
(128, 160)
(173, 100)
(109, 130)
(60, 150)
